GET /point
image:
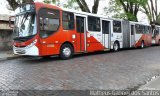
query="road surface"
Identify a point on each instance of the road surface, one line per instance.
(126, 69)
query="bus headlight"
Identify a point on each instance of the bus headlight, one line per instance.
(32, 44)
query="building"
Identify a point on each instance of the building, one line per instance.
(5, 33)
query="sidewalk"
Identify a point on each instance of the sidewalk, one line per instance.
(7, 55)
(152, 85)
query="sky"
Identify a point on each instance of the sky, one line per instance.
(141, 16)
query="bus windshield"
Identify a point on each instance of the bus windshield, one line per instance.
(25, 25)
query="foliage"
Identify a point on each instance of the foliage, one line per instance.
(126, 9)
(150, 8)
(82, 4)
(114, 9)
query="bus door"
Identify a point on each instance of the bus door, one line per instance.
(106, 31)
(81, 31)
(49, 23)
(132, 35)
(138, 34)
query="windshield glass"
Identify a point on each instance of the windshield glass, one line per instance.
(25, 25)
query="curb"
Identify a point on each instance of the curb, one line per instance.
(10, 58)
(151, 85)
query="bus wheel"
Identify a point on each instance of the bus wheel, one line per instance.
(142, 44)
(116, 46)
(66, 51)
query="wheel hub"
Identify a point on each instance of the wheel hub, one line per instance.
(142, 45)
(116, 46)
(67, 51)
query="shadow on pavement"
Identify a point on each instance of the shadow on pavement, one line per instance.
(31, 60)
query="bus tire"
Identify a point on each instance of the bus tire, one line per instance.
(116, 46)
(142, 45)
(66, 51)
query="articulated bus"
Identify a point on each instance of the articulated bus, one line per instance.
(44, 30)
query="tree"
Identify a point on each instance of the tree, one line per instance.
(82, 5)
(151, 10)
(130, 8)
(14, 3)
(115, 10)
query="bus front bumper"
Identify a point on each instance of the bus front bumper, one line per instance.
(30, 51)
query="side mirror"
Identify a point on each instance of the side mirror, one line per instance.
(11, 21)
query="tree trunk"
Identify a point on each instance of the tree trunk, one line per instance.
(14, 3)
(95, 6)
(130, 8)
(84, 7)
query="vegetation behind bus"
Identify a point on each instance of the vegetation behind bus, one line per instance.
(126, 9)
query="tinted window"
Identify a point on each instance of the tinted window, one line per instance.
(117, 26)
(68, 21)
(93, 24)
(105, 27)
(80, 24)
(132, 29)
(146, 29)
(138, 29)
(157, 31)
(142, 29)
(49, 22)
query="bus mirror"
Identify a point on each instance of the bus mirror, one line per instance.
(11, 21)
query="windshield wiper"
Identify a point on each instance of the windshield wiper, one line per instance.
(22, 39)
(24, 19)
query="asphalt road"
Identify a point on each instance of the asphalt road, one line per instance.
(125, 69)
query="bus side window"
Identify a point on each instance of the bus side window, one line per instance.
(45, 23)
(157, 31)
(141, 29)
(147, 28)
(117, 27)
(132, 29)
(94, 24)
(144, 30)
(68, 21)
(80, 24)
(138, 29)
(41, 23)
(49, 21)
(105, 27)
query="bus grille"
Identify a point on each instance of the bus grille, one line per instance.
(20, 51)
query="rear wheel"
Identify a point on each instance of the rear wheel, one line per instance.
(66, 51)
(116, 46)
(142, 44)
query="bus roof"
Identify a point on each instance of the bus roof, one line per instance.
(90, 14)
(132, 22)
